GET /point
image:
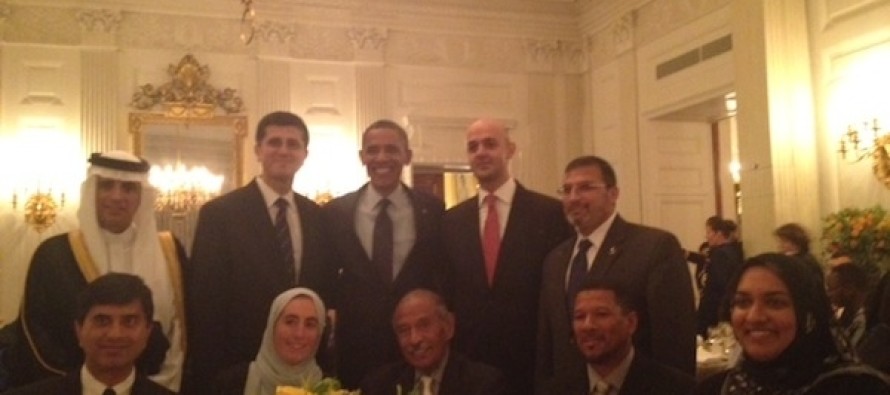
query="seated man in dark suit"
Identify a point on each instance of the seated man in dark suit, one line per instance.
(424, 328)
(603, 323)
(113, 325)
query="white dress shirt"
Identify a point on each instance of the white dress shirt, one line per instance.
(293, 219)
(400, 211)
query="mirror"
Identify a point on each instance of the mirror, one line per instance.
(216, 143)
(195, 145)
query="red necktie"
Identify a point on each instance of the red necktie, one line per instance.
(491, 237)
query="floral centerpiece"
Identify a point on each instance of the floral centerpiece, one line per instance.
(327, 386)
(862, 234)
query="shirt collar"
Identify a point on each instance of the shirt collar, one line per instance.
(91, 385)
(616, 377)
(504, 193)
(599, 234)
(269, 194)
(437, 373)
(397, 198)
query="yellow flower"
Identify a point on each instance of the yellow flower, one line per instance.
(288, 390)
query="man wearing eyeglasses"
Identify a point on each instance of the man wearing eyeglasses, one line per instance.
(606, 247)
(497, 241)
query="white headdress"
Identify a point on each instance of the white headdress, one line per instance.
(147, 256)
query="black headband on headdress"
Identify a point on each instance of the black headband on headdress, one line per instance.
(137, 167)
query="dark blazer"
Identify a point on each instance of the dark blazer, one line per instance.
(496, 325)
(70, 385)
(649, 263)
(723, 262)
(237, 270)
(644, 377)
(231, 380)
(461, 377)
(364, 301)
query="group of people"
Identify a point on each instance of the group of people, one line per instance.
(509, 292)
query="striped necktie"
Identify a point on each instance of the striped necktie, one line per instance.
(282, 235)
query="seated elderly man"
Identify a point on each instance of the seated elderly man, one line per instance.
(113, 325)
(117, 233)
(424, 328)
(603, 323)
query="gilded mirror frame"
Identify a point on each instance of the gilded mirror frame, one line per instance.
(236, 124)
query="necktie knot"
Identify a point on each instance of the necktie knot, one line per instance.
(584, 245)
(491, 200)
(600, 388)
(281, 203)
(109, 391)
(383, 204)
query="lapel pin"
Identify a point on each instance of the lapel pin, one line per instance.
(613, 251)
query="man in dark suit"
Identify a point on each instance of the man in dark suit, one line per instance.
(649, 261)
(424, 327)
(496, 244)
(250, 245)
(113, 324)
(603, 322)
(387, 241)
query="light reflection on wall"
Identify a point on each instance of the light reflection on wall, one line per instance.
(41, 159)
(333, 164)
(858, 92)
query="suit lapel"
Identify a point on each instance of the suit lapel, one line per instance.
(517, 226)
(421, 225)
(611, 249)
(562, 256)
(256, 216)
(406, 378)
(364, 266)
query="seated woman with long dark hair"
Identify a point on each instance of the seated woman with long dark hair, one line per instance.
(782, 320)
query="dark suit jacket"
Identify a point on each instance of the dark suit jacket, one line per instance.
(461, 377)
(70, 385)
(231, 380)
(237, 270)
(723, 262)
(644, 377)
(649, 263)
(496, 325)
(365, 302)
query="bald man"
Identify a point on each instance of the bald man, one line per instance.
(496, 243)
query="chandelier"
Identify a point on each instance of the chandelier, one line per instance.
(182, 189)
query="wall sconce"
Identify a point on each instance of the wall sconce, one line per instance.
(40, 189)
(852, 143)
(40, 209)
(853, 149)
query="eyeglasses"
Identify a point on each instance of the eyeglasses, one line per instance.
(580, 189)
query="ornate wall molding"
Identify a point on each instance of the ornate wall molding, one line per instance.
(92, 20)
(276, 32)
(623, 32)
(367, 38)
(555, 56)
(188, 94)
